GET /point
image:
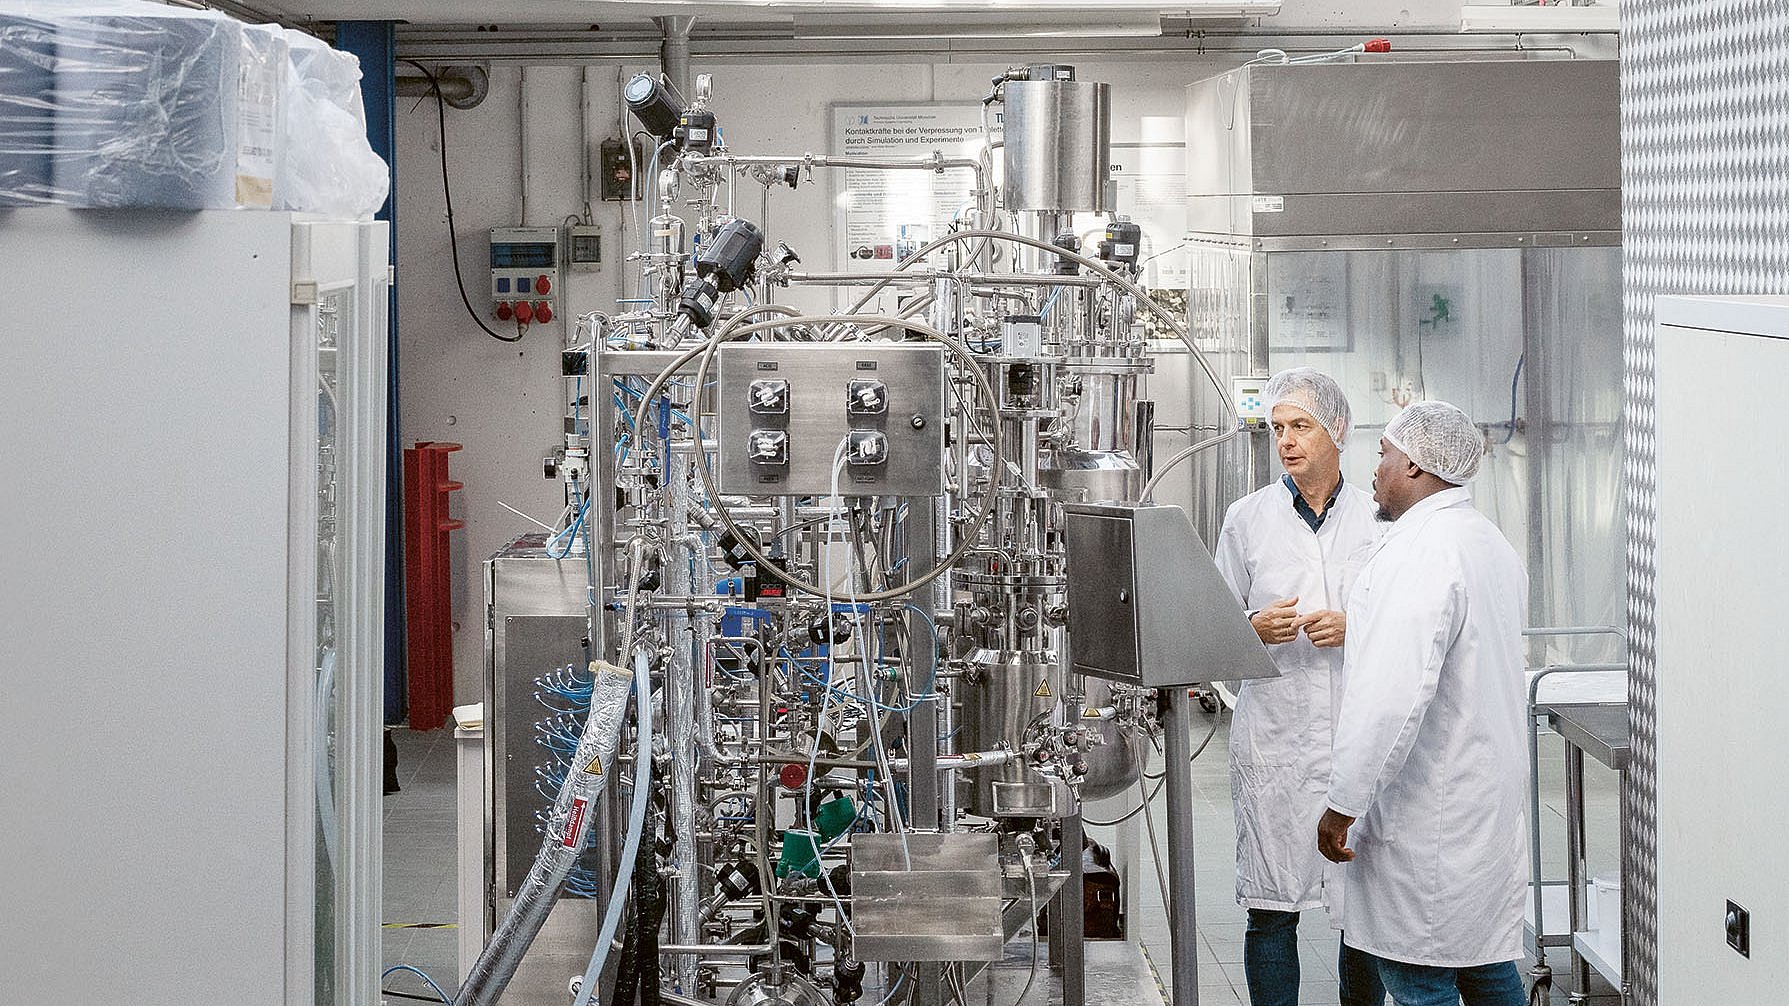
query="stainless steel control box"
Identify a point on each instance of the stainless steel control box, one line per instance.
(1147, 605)
(785, 408)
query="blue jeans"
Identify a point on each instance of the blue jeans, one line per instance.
(1484, 985)
(1270, 964)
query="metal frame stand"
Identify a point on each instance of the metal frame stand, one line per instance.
(1183, 929)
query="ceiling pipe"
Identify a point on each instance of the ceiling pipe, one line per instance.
(461, 86)
(674, 51)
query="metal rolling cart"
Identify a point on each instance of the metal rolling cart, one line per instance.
(1601, 731)
(1546, 899)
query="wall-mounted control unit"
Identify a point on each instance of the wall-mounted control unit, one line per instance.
(525, 263)
(1250, 395)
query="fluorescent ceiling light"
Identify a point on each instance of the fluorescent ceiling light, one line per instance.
(1183, 8)
(1534, 18)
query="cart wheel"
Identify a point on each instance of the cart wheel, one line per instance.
(1208, 702)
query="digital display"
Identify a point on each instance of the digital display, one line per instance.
(522, 255)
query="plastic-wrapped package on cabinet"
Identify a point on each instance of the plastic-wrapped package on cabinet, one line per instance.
(119, 104)
(27, 103)
(327, 165)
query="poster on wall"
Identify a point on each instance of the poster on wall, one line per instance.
(884, 215)
(1308, 303)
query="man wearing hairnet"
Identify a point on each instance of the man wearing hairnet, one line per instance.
(1288, 551)
(1429, 773)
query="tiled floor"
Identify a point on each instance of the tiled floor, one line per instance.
(420, 877)
(419, 863)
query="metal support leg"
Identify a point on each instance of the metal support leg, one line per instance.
(1068, 927)
(1574, 862)
(1183, 932)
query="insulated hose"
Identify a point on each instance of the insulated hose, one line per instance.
(567, 832)
(636, 826)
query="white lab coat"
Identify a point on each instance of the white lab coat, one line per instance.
(1429, 747)
(1280, 735)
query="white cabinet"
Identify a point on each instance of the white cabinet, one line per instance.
(191, 616)
(1721, 560)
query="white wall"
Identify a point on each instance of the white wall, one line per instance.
(503, 402)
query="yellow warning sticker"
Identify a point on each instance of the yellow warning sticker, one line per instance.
(1043, 690)
(1091, 714)
(972, 756)
(595, 767)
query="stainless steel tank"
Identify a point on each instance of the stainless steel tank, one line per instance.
(1058, 145)
(1010, 697)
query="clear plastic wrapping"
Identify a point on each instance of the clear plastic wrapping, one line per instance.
(327, 164)
(133, 104)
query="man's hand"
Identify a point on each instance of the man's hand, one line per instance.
(1332, 836)
(1326, 628)
(1278, 622)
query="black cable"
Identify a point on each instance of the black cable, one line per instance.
(453, 235)
(1209, 734)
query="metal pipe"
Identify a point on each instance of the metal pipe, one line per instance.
(674, 49)
(1070, 930)
(1183, 933)
(1168, 466)
(715, 949)
(932, 275)
(680, 709)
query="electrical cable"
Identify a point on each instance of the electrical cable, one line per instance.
(1155, 853)
(1513, 383)
(1152, 794)
(418, 972)
(1031, 888)
(453, 236)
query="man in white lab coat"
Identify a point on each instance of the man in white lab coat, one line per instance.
(1289, 550)
(1429, 768)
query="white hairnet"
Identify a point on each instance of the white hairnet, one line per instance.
(1316, 393)
(1439, 438)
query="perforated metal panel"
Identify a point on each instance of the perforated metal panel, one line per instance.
(1705, 209)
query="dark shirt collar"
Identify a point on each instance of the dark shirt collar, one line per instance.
(1312, 519)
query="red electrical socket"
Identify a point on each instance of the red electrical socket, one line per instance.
(1377, 45)
(504, 312)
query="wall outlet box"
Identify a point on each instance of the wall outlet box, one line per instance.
(584, 247)
(1739, 929)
